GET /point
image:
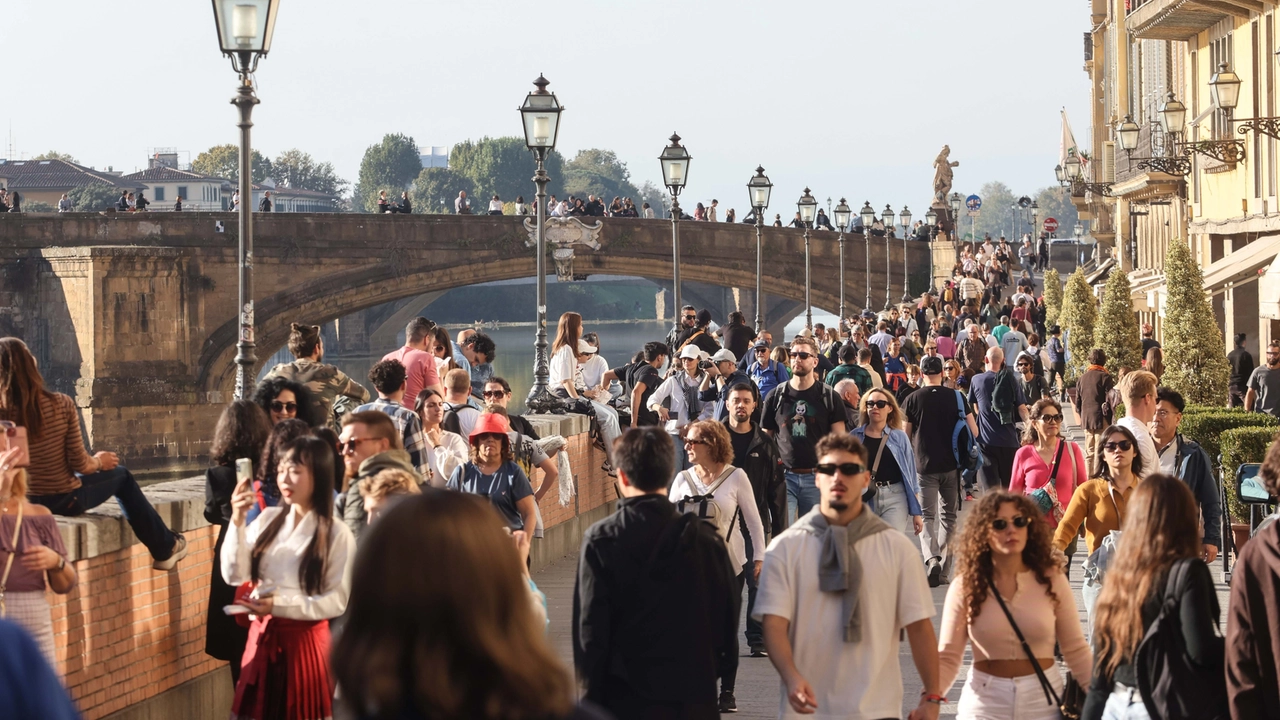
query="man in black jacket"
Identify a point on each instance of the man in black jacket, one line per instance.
(1185, 459)
(1092, 408)
(654, 609)
(757, 454)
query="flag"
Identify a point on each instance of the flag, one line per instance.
(1068, 148)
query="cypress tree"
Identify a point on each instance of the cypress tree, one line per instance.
(1052, 298)
(1195, 363)
(1117, 329)
(1078, 318)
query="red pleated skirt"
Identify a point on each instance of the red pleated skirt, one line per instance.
(285, 672)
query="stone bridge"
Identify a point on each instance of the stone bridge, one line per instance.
(134, 316)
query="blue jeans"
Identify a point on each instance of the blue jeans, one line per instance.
(891, 506)
(755, 629)
(99, 487)
(802, 495)
(1089, 592)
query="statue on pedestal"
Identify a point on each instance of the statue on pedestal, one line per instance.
(942, 175)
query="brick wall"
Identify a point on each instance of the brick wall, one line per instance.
(127, 633)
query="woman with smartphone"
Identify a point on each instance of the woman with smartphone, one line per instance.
(298, 560)
(31, 552)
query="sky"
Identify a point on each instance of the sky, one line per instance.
(852, 98)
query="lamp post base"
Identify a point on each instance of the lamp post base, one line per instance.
(542, 402)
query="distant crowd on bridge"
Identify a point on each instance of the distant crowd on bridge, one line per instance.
(378, 542)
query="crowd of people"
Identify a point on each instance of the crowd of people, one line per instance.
(823, 475)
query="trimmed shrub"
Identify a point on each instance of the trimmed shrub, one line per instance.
(1239, 446)
(1207, 428)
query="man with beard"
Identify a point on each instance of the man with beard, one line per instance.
(325, 382)
(370, 444)
(757, 454)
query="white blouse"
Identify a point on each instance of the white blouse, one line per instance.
(673, 389)
(446, 457)
(280, 563)
(733, 494)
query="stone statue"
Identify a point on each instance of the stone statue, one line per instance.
(942, 175)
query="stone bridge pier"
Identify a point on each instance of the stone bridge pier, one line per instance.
(134, 315)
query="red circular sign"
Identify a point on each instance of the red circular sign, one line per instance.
(1050, 224)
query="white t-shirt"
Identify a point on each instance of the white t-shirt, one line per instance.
(850, 680)
(1147, 446)
(593, 371)
(563, 366)
(734, 493)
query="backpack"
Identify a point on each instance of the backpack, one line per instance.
(1173, 686)
(963, 445)
(705, 507)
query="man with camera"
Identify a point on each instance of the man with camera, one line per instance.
(721, 374)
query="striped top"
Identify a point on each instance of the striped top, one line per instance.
(59, 452)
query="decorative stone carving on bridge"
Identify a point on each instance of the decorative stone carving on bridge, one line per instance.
(562, 234)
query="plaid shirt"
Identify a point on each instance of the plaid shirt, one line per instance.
(410, 427)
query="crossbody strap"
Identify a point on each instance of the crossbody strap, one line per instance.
(1057, 460)
(1050, 695)
(884, 440)
(8, 565)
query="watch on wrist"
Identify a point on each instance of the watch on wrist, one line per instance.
(62, 563)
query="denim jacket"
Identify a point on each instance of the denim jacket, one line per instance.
(905, 456)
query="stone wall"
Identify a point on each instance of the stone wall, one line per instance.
(130, 640)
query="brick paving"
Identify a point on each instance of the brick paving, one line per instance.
(758, 690)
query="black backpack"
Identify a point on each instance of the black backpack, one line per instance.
(1174, 687)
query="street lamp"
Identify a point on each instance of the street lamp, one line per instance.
(1172, 115)
(675, 172)
(842, 214)
(888, 218)
(758, 189)
(1224, 88)
(955, 200)
(1035, 222)
(1061, 175)
(1127, 133)
(931, 221)
(541, 117)
(868, 215)
(245, 28)
(808, 207)
(905, 218)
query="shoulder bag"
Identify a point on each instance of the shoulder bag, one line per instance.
(1046, 497)
(1071, 702)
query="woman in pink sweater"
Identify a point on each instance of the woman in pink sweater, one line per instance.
(1045, 455)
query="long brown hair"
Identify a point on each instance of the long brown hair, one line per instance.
(241, 432)
(317, 455)
(973, 548)
(467, 648)
(1159, 528)
(568, 332)
(21, 386)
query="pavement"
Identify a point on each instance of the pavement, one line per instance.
(759, 690)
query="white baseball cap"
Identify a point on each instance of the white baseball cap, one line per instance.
(692, 351)
(585, 347)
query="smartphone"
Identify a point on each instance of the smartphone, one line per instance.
(235, 610)
(16, 436)
(244, 472)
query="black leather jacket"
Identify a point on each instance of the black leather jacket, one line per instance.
(763, 466)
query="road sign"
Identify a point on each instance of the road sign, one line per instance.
(1050, 225)
(974, 203)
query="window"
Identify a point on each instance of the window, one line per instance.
(1256, 76)
(159, 193)
(182, 191)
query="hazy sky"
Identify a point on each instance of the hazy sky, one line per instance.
(851, 98)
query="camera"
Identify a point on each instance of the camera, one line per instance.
(704, 364)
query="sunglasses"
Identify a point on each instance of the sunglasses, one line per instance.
(1051, 418)
(350, 445)
(690, 317)
(277, 406)
(695, 441)
(494, 393)
(762, 351)
(878, 404)
(802, 355)
(1121, 445)
(843, 468)
(1018, 522)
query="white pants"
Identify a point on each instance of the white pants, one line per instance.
(609, 428)
(31, 611)
(987, 697)
(891, 505)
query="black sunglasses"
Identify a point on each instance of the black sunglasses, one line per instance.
(277, 406)
(1018, 522)
(802, 355)
(1121, 445)
(844, 468)
(494, 393)
(1051, 418)
(878, 404)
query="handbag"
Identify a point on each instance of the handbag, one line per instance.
(1071, 702)
(872, 487)
(1046, 497)
(8, 565)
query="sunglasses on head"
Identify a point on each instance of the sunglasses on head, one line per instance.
(1018, 522)
(1121, 445)
(879, 404)
(844, 468)
(277, 406)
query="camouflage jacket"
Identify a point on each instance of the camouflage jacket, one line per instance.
(326, 384)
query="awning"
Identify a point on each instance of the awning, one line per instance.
(1097, 275)
(1241, 264)
(1269, 292)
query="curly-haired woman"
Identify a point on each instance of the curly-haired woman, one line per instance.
(1005, 560)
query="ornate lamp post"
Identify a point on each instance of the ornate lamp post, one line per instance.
(905, 218)
(1061, 175)
(758, 189)
(842, 215)
(955, 201)
(541, 116)
(245, 28)
(808, 207)
(675, 172)
(868, 215)
(888, 218)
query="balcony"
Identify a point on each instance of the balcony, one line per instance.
(1181, 19)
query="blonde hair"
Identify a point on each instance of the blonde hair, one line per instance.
(894, 420)
(1137, 384)
(392, 481)
(19, 487)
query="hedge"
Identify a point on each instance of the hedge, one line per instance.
(1240, 446)
(1206, 428)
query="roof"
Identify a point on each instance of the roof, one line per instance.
(171, 174)
(56, 175)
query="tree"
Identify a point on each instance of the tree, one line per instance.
(600, 173)
(55, 155)
(223, 161)
(504, 167)
(656, 196)
(1079, 317)
(1117, 329)
(35, 206)
(390, 165)
(1056, 203)
(94, 197)
(1194, 362)
(1052, 297)
(297, 169)
(435, 188)
(994, 217)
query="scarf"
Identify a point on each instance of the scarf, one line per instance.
(1096, 367)
(839, 569)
